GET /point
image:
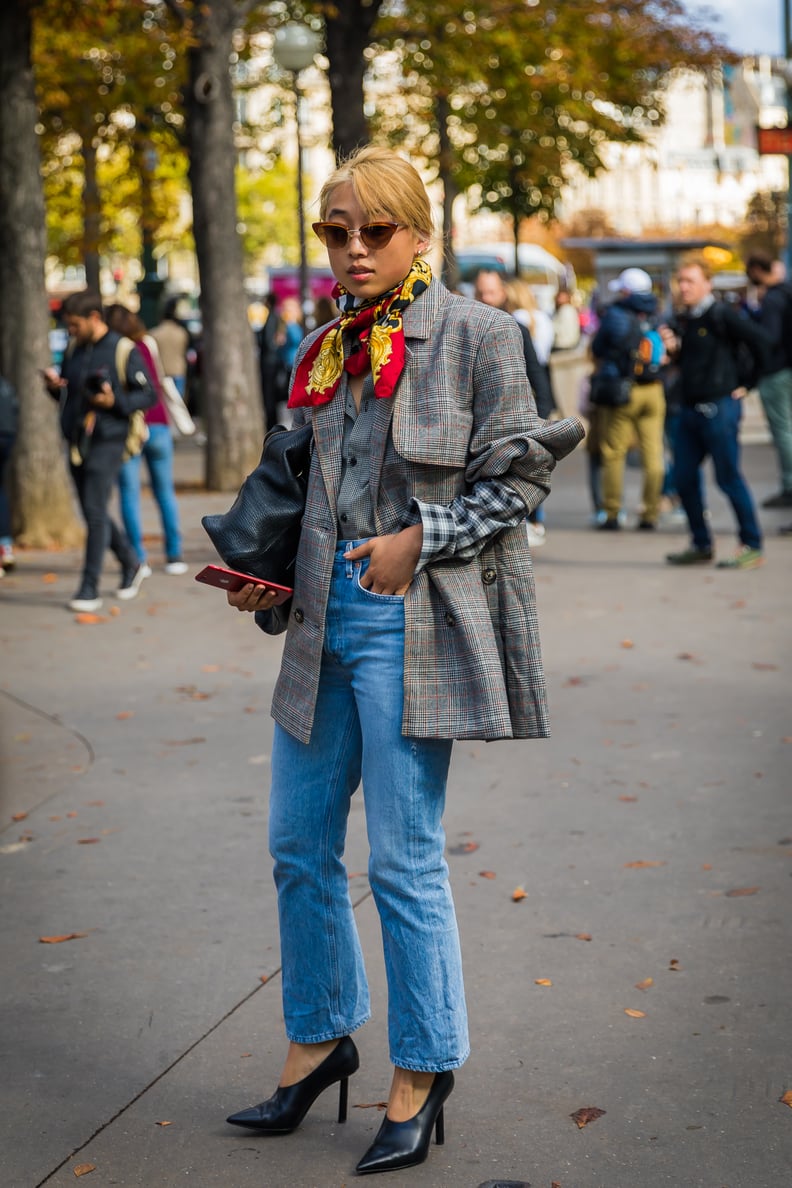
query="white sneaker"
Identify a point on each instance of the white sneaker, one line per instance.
(176, 568)
(536, 534)
(131, 582)
(85, 605)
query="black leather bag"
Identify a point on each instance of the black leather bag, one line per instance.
(260, 533)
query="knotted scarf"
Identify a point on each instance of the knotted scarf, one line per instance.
(377, 325)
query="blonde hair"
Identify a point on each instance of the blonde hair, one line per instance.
(693, 260)
(386, 186)
(520, 295)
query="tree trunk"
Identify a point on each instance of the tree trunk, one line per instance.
(450, 191)
(43, 511)
(92, 213)
(231, 397)
(348, 26)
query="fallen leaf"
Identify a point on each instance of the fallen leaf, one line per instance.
(19, 816)
(786, 1098)
(760, 666)
(87, 620)
(487, 874)
(56, 940)
(628, 799)
(183, 742)
(641, 864)
(645, 984)
(49, 578)
(88, 841)
(634, 1014)
(519, 893)
(673, 965)
(71, 814)
(115, 611)
(371, 1105)
(542, 982)
(125, 714)
(572, 681)
(55, 818)
(585, 936)
(585, 1115)
(82, 1169)
(706, 866)
(164, 1124)
(264, 978)
(245, 1055)
(686, 656)
(626, 643)
(735, 891)
(210, 668)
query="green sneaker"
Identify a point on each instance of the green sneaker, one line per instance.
(744, 558)
(690, 557)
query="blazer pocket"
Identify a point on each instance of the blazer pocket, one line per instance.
(433, 432)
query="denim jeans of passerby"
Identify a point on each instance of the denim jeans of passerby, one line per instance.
(776, 395)
(712, 429)
(158, 453)
(357, 734)
(94, 481)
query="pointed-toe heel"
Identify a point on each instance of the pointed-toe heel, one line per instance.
(405, 1144)
(284, 1111)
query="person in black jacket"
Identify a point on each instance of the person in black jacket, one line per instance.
(775, 385)
(706, 346)
(96, 404)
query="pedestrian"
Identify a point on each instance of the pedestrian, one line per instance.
(9, 420)
(566, 323)
(173, 343)
(624, 322)
(291, 333)
(412, 623)
(157, 451)
(274, 377)
(704, 343)
(97, 400)
(325, 310)
(775, 385)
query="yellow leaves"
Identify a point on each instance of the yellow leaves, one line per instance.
(586, 1114)
(634, 1014)
(645, 984)
(122, 715)
(164, 1124)
(626, 643)
(642, 864)
(57, 940)
(89, 620)
(519, 893)
(49, 579)
(735, 891)
(487, 874)
(19, 816)
(82, 1169)
(542, 982)
(786, 1098)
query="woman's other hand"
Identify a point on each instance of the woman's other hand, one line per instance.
(392, 560)
(252, 597)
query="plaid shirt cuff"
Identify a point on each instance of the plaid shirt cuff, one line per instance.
(461, 529)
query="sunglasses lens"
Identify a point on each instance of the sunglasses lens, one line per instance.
(377, 235)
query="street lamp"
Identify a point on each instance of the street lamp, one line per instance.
(294, 49)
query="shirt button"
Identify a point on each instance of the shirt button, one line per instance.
(450, 620)
(488, 576)
(343, 517)
(298, 616)
(353, 461)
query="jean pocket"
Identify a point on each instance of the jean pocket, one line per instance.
(371, 593)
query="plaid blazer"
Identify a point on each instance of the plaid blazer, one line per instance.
(462, 412)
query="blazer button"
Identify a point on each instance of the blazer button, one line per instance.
(450, 620)
(298, 616)
(488, 575)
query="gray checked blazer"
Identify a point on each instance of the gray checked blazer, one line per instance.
(462, 411)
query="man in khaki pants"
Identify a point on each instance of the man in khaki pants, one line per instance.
(643, 416)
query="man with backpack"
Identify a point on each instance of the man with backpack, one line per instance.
(710, 344)
(626, 389)
(102, 383)
(775, 385)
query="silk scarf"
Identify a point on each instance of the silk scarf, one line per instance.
(377, 324)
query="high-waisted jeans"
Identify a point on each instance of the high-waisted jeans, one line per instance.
(357, 734)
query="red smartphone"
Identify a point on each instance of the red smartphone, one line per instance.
(230, 579)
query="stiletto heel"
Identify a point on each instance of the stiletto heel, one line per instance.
(343, 1096)
(284, 1111)
(404, 1144)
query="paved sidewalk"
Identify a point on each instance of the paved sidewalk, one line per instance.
(655, 822)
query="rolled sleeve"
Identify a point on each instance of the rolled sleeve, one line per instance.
(461, 529)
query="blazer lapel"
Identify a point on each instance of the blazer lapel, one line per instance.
(328, 426)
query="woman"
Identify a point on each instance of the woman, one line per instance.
(157, 450)
(412, 623)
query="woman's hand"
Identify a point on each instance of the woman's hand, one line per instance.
(252, 597)
(392, 560)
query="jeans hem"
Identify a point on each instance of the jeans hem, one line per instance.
(434, 1066)
(325, 1036)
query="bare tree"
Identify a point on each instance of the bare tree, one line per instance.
(41, 493)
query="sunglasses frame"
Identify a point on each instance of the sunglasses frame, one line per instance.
(320, 230)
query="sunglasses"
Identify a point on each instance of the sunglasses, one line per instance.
(372, 235)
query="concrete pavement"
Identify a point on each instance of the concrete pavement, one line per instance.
(655, 822)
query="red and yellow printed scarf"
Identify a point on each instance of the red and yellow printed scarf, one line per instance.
(378, 326)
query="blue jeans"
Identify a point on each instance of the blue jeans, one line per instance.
(357, 733)
(712, 429)
(158, 452)
(776, 395)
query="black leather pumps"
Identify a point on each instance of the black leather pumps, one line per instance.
(404, 1144)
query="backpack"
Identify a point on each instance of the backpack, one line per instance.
(137, 433)
(648, 357)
